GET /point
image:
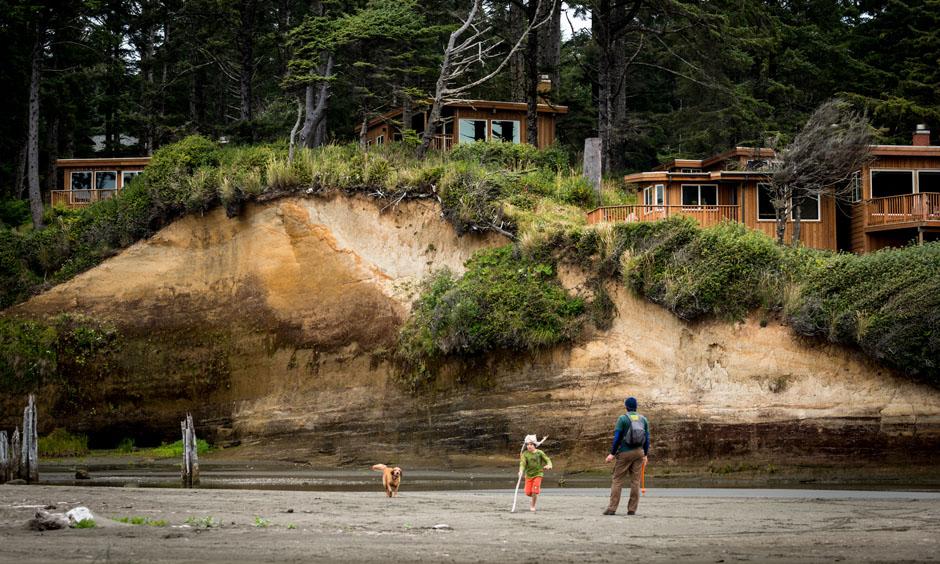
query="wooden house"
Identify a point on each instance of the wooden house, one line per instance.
(86, 181)
(469, 121)
(896, 198)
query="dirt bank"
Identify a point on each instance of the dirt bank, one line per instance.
(277, 328)
(696, 526)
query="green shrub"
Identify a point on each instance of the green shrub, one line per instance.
(126, 446)
(174, 450)
(86, 524)
(62, 443)
(512, 156)
(14, 212)
(33, 353)
(887, 302)
(725, 270)
(470, 198)
(138, 520)
(502, 302)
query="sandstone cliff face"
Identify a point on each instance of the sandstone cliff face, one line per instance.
(275, 328)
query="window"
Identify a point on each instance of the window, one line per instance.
(505, 130)
(81, 180)
(886, 183)
(647, 196)
(128, 176)
(809, 208)
(856, 183)
(471, 130)
(699, 195)
(380, 140)
(660, 197)
(765, 203)
(690, 170)
(928, 180)
(106, 180)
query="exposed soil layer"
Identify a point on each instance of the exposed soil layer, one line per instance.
(693, 526)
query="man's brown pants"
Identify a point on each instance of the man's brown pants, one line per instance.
(630, 462)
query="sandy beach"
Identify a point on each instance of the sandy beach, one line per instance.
(474, 526)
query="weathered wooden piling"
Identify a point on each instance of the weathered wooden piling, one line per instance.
(5, 466)
(593, 165)
(30, 452)
(16, 471)
(190, 453)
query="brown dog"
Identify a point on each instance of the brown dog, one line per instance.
(391, 478)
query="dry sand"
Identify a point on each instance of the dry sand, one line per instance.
(683, 525)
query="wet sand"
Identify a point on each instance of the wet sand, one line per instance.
(672, 524)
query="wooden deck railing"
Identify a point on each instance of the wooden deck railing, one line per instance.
(704, 215)
(908, 208)
(79, 198)
(442, 142)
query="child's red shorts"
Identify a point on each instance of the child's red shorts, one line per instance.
(533, 485)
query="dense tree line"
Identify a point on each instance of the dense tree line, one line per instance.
(653, 78)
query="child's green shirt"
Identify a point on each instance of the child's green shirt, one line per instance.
(533, 463)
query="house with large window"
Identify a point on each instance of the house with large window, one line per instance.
(86, 181)
(469, 121)
(895, 200)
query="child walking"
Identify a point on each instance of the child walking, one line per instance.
(533, 463)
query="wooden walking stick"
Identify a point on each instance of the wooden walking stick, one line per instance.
(519, 481)
(643, 478)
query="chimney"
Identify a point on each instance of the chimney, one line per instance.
(921, 136)
(544, 88)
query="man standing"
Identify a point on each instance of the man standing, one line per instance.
(630, 448)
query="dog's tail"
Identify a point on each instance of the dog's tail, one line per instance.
(379, 467)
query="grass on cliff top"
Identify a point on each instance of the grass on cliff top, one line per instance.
(481, 187)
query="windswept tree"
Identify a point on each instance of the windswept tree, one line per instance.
(369, 49)
(834, 144)
(473, 44)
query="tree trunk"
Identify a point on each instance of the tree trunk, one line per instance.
(316, 103)
(780, 216)
(434, 121)
(406, 113)
(52, 150)
(319, 136)
(19, 186)
(517, 65)
(797, 213)
(35, 194)
(294, 130)
(245, 40)
(550, 48)
(531, 54)
(363, 129)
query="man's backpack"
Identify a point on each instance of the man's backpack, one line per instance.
(636, 434)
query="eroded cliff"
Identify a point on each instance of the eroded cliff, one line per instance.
(276, 328)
